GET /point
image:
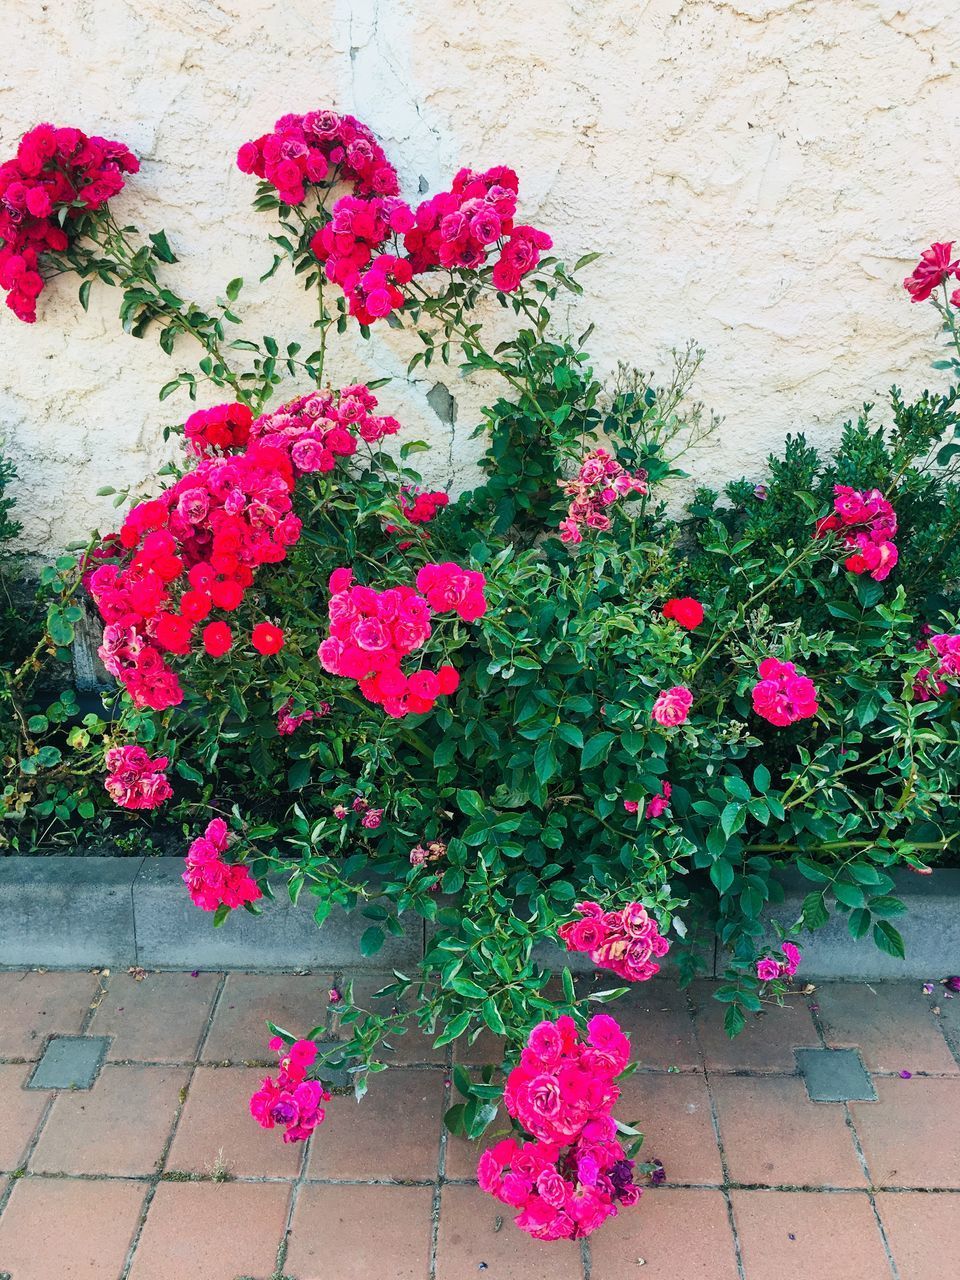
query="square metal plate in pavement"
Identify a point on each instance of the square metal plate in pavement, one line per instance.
(70, 1062)
(835, 1075)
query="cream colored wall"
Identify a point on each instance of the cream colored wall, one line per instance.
(758, 173)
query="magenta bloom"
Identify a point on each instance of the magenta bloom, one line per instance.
(624, 941)
(672, 706)
(134, 780)
(935, 266)
(767, 970)
(571, 1174)
(782, 696)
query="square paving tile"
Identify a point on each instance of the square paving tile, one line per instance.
(212, 1231)
(358, 1233)
(393, 1133)
(36, 1005)
(673, 1113)
(217, 1129)
(120, 1127)
(675, 1231)
(69, 1062)
(922, 1230)
(239, 1033)
(159, 1019)
(891, 1023)
(809, 1235)
(469, 1235)
(20, 1112)
(835, 1075)
(911, 1137)
(414, 1045)
(774, 1135)
(767, 1041)
(67, 1229)
(656, 1018)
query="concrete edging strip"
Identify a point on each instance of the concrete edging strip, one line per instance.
(79, 912)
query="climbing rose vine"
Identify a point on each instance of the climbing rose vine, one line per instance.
(552, 715)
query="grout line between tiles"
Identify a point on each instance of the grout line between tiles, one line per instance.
(731, 1219)
(156, 1178)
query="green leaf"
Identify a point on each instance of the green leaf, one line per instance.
(859, 922)
(470, 803)
(811, 871)
(465, 987)
(491, 1016)
(721, 873)
(733, 818)
(733, 1021)
(545, 761)
(371, 940)
(84, 294)
(761, 779)
(596, 749)
(234, 287)
(848, 894)
(814, 911)
(161, 247)
(888, 939)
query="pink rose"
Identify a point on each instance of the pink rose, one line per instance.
(672, 706)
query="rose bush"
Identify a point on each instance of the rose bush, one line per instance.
(549, 711)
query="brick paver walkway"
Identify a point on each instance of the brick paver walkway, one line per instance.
(158, 1173)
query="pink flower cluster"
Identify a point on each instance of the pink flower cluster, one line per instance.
(291, 1100)
(371, 632)
(317, 147)
(456, 228)
(867, 523)
(769, 969)
(781, 696)
(672, 706)
(213, 882)
(935, 268)
(599, 483)
(450, 589)
(573, 1173)
(419, 507)
(624, 941)
(197, 546)
(134, 781)
(54, 171)
(223, 429)
(346, 247)
(287, 723)
(658, 805)
(930, 682)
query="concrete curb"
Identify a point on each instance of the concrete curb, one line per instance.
(64, 913)
(61, 913)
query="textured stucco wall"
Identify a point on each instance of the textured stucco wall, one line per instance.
(759, 174)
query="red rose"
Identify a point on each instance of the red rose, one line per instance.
(267, 638)
(217, 639)
(685, 612)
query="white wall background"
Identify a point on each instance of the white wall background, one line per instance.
(760, 175)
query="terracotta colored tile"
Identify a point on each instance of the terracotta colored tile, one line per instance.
(468, 1236)
(462, 1156)
(486, 1049)
(239, 1033)
(809, 1235)
(673, 1113)
(413, 1046)
(35, 1005)
(216, 1128)
(772, 1133)
(922, 1230)
(69, 1229)
(159, 1019)
(767, 1041)
(911, 1136)
(357, 1233)
(393, 1133)
(670, 1228)
(20, 1112)
(891, 1023)
(215, 1230)
(658, 1022)
(120, 1126)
